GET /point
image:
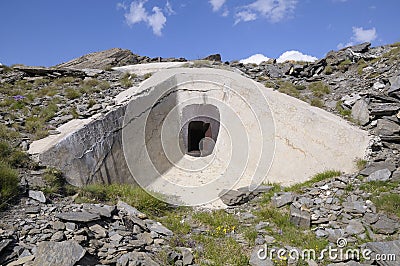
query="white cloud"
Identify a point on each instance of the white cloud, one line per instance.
(216, 4)
(273, 10)
(364, 35)
(295, 56)
(254, 59)
(168, 8)
(137, 13)
(245, 16)
(360, 35)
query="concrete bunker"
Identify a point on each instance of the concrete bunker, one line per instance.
(189, 133)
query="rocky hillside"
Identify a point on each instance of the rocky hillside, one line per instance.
(43, 217)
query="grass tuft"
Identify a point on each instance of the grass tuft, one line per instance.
(317, 178)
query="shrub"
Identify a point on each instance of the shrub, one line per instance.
(317, 102)
(328, 70)
(72, 93)
(132, 195)
(126, 81)
(319, 88)
(288, 88)
(54, 181)
(8, 183)
(18, 159)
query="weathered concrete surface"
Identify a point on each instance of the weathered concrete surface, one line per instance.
(264, 135)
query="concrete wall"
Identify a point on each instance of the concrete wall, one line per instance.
(263, 136)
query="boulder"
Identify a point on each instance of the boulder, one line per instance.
(136, 258)
(233, 197)
(65, 253)
(360, 48)
(360, 112)
(375, 166)
(37, 195)
(385, 225)
(394, 84)
(213, 57)
(282, 199)
(386, 127)
(379, 175)
(300, 217)
(160, 229)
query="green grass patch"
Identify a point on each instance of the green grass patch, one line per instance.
(174, 221)
(315, 179)
(378, 187)
(63, 80)
(72, 93)
(361, 64)
(342, 111)
(344, 65)
(8, 183)
(219, 222)
(287, 233)
(319, 88)
(8, 133)
(317, 103)
(54, 181)
(135, 196)
(220, 251)
(288, 88)
(126, 80)
(328, 70)
(388, 202)
(361, 163)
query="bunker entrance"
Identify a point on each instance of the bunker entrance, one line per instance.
(197, 131)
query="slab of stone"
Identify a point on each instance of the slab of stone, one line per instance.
(102, 210)
(233, 197)
(299, 217)
(4, 243)
(386, 127)
(379, 175)
(65, 253)
(354, 228)
(136, 258)
(187, 256)
(385, 225)
(82, 216)
(382, 109)
(375, 166)
(394, 84)
(385, 248)
(354, 207)
(360, 112)
(282, 199)
(37, 195)
(160, 229)
(122, 206)
(98, 230)
(22, 261)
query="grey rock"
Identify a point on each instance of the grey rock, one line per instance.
(82, 216)
(379, 175)
(354, 228)
(350, 100)
(396, 175)
(385, 225)
(360, 48)
(160, 229)
(375, 166)
(377, 85)
(260, 257)
(360, 112)
(57, 236)
(187, 256)
(282, 199)
(65, 253)
(37, 195)
(349, 263)
(394, 84)
(234, 197)
(371, 218)
(122, 206)
(213, 57)
(57, 225)
(98, 230)
(299, 217)
(102, 210)
(136, 258)
(354, 207)
(381, 109)
(22, 261)
(70, 226)
(4, 243)
(386, 127)
(389, 247)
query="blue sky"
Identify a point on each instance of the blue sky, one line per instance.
(47, 32)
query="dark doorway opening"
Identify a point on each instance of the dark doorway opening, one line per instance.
(197, 131)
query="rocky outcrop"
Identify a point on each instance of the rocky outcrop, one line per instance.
(102, 60)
